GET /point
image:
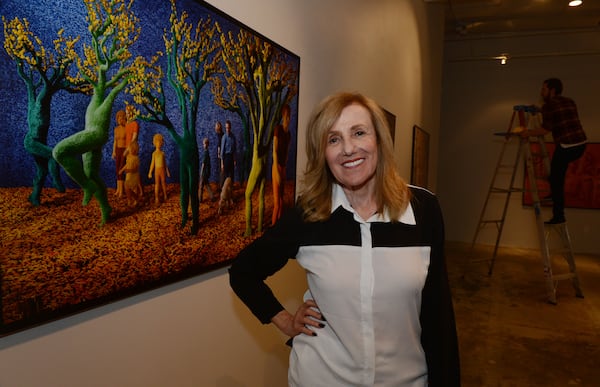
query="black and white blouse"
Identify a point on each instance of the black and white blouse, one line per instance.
(382, 287)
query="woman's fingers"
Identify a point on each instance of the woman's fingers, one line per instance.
(308, 315)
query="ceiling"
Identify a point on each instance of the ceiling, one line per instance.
(485, 18)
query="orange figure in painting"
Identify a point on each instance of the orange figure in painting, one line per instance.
(132, 128)
(160, 168)
(119, 146)
(133, 183)
(281, 143)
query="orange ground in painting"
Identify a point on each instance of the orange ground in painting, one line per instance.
(55, 258)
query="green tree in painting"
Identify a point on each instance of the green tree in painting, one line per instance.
(44, 72)
(259, 81)
(191, 61)
(106, 66)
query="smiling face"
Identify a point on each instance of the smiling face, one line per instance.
(351, 149)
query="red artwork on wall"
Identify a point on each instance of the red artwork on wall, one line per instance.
(582, 183)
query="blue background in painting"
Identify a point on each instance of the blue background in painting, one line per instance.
(46, 17)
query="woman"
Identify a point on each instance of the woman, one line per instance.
(378, 311)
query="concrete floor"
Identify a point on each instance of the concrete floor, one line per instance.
(509, 335)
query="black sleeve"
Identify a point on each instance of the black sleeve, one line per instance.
(438, 335)
(261, 259)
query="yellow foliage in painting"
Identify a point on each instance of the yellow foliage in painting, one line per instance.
(191, 54)
(114, 29)
(24, 47)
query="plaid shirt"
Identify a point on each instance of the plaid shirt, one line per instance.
(560, 117)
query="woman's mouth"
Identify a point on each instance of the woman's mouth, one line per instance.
(353, 163)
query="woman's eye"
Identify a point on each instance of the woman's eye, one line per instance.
(359, 133)
(333, 140)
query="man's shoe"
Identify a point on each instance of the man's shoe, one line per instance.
(555, 221)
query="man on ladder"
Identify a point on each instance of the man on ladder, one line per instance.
(560, 117)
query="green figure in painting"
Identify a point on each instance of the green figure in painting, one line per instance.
(186, 48)
(260, 82)
(44, 72)
(81, 154)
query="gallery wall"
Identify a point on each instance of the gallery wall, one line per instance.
(195, 332)
(478, 98)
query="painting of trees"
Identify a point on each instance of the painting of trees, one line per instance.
(44, 72)
(106, 67)
(259, 81)
(180, 70)
(191, 61)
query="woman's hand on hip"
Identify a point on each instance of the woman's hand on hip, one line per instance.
(307, 316)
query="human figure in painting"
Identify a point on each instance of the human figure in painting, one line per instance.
(205, 171)
(118, 153)
(281, 143)
(559, 117)
(219, 132)
(378, 309)
(160, 168)
(228, 149)
(226, 197)
(132, 128)
(133, 183)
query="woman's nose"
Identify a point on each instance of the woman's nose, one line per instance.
(348, 147)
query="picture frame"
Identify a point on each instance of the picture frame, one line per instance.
(60, 257)
(420, 157)
(391, 120)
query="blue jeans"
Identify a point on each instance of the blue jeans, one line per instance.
(558, 170)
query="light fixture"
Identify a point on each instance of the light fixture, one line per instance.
(503, 58)
(575, 3)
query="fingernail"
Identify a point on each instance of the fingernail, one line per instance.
(321, 325)
(323, 318)
(314, 333)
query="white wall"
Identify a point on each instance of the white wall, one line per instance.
(478, 99)
(195, 332)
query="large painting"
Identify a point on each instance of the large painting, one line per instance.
(582, 183)
(143, 142)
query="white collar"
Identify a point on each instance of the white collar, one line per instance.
(338, 198)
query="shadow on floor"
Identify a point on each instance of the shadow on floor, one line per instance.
(510, 335)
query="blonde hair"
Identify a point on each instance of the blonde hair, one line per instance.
(391, 190)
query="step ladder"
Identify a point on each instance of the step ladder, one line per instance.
(557, 236)
(516, 149)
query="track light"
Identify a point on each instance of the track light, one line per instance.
(575, 3)
(503, 58)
